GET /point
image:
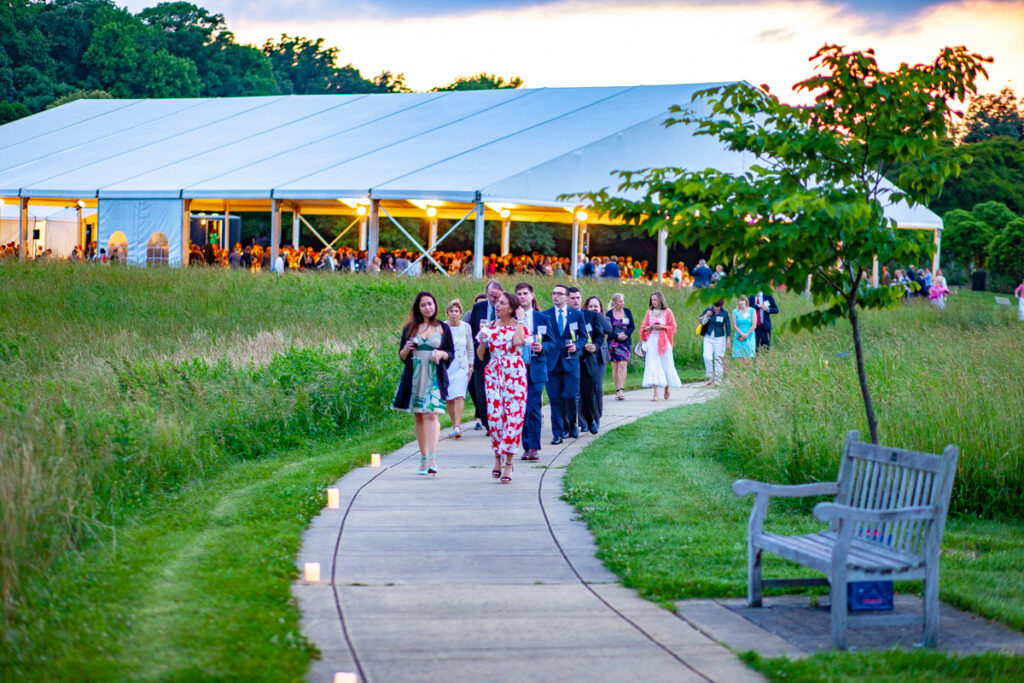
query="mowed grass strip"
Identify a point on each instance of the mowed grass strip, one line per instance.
(657, 495)
(198, 588)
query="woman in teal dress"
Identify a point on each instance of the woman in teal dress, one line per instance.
(426, 349)
(743, 324)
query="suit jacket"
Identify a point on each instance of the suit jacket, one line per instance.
(766, 316)
(560, 360)
(599, 329)
(611, 269)
(478, 313)
(538, 362)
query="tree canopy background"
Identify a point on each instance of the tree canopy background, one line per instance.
(62, 50)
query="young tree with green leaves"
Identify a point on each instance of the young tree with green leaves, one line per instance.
(812, 207)
(481, 81)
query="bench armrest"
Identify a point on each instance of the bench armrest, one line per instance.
(827, 512)
(744, 487)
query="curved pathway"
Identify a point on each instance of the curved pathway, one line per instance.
(457, 577)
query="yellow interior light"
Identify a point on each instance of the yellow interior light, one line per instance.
(361, 210)
(431, 211)
(581, 216)
(505, 213)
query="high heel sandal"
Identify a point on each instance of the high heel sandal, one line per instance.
(432, 464)
(423, 465)
(620, 395)
(507, 478)
(496, 472)
(666, 393)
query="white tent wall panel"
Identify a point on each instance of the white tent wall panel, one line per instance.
(139, 219)
(421, 153)
(100, 137)
(157, 146)
(256, 136)
(9, 231)
(56, 121)
(347, 156)
(591, 167)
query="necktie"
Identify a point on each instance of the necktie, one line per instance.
(561, 321)
(527, 322)
(490, 312)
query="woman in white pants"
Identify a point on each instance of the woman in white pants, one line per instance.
(717, 331)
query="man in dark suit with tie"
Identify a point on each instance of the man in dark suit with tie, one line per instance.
(764, 308)
(564, 365)
(482, 310)
(535, 357)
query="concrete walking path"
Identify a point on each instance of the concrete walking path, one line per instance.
(458, 577)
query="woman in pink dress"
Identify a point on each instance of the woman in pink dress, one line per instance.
(504, 382)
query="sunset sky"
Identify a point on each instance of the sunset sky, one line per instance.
(625, 42)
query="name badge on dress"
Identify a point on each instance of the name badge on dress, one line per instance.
(718, 319)
(626, 320)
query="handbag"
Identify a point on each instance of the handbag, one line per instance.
(700, 329)
(640, 350)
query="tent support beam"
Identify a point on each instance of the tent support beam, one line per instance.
(445, 236)
(275, 230)
(23, 229)
(373, 232)
(432, 234)
(296, 228)
(575, 256)
(225, 235)
(478, 242)
(936, 261)
(662, 252)
(874, 270)
(506, 226)
(186, 230)
(362, 234)
(416, 244)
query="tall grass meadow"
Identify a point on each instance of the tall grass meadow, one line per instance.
(936, 377)
(119, 386)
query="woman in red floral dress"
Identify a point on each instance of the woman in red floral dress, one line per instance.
(505, 382)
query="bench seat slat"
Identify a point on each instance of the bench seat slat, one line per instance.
(816, 551)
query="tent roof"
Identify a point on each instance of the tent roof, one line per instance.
(524, 146)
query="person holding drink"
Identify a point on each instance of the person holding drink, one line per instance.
(426, 348)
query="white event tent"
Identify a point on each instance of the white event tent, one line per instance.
(148, 165)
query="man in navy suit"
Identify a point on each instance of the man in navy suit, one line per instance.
(564, 365)
(764, 308)
(483, 310)
(611, 269)
(535, 357)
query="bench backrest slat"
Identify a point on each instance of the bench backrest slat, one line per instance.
(883, 478)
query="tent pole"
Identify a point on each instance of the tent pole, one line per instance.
(506, 226)
(574, 257)
(478, 242)
(81, 233)
(295, 228)
(874, 270)
(23, 254)
(186, 232)
(225, 235)
(362, 234)
(373, 232)
(432, 235)
(275, 230)
(662, 252)
(936, 262)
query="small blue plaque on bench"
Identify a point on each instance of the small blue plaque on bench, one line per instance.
(874, 596)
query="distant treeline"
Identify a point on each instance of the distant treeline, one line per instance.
(57, 51)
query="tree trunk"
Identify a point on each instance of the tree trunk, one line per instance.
(865, 393)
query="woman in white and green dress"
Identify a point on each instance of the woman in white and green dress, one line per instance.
(426, 349)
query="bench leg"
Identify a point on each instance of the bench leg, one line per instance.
(931, 609)
(837, 594)
(753, 576)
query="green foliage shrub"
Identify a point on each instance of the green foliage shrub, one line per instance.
(1006, 252)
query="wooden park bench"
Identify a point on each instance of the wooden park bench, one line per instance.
(884, 524)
